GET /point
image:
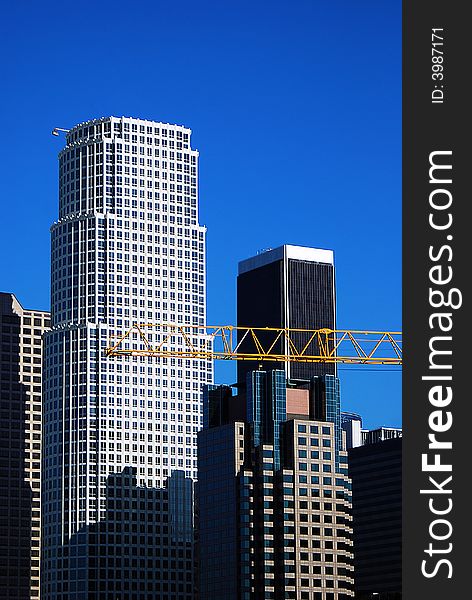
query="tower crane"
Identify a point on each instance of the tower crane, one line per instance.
(228, 342)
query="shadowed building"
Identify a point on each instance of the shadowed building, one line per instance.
(144, 531)
(20, 448)
(376, 473)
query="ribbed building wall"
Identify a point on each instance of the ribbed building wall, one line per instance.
(127, 248)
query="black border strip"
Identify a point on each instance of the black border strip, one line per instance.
(436, 127)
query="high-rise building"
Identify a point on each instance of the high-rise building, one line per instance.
(21, 333)
(273, 494)
(376, 473)
(351, 423)
(120, 434)
(288, 287)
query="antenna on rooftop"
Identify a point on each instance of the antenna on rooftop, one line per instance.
(56, 130)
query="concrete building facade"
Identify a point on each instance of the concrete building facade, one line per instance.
(21, 334)
(127, 248)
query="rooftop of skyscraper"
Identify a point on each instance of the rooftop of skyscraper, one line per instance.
(271, 255)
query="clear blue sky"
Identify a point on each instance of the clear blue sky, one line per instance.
(295, 108)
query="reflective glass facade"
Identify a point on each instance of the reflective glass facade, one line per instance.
(326, 402)
(219, 499)
(266, 408)
(274, 507)
(291, 287)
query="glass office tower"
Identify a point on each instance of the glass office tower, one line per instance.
(120, 434)
(274, 496)
(288, 287)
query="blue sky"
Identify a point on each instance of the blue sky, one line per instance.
(296, 111)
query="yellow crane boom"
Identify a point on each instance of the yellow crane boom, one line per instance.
(227, 342)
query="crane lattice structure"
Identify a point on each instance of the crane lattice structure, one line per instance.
(227, 342)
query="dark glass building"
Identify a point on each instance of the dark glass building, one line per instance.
(287, 287)
(326, 399)
(273, 493)
(375, 470)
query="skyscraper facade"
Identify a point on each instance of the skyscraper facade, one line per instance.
(288, 287)
(274, 505)
(376, 472)
(127, 248)
(21, 333)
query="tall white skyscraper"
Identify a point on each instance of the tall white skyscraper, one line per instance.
(120, 434)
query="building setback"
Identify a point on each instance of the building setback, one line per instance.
(288, 287)
(21, 333)
(120, 434)
(376, 473)
(274, 507)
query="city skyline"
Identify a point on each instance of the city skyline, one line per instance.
(315, 159)
(233, 300)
